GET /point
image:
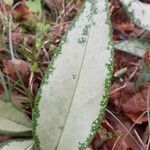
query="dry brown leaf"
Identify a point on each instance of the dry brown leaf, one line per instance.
(135, 104)
(119, 140)
(132, 103)
(21, 11)
(11, 66)
(136, 117)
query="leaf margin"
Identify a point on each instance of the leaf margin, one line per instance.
(12, 140)
(26, 133)
(132, 16)
(142, 42)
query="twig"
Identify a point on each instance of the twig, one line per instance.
(139, 137)
(148, 115)
(120, 88)
(10, 35)
(123, 127)
(131, 76)
(114, 146)
(148, 144)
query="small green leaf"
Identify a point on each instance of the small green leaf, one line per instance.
(139, 12)
(145, 69)
(35, 67)
(13, 121)
(34, 5)
(30, 26)
(143, 78)
(41, 31)
(20, 144)
(133, 46)
(38, 42)
(42, 27)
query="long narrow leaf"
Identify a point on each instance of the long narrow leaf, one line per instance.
(17, 145)
(139, 12)
(72, 100)
(3, 82)
(133, 46)
(13, 121)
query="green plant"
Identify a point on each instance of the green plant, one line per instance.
(34, 5)
(73, 97)
(66, 93)
(145, 75)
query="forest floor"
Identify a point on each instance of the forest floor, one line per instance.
(126, 123)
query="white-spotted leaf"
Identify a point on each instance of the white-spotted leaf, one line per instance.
(139, 12)
(73, 97)
(133, 46)
(12, 121)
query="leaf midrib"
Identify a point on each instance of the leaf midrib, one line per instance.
(15, 122)
(76, 83)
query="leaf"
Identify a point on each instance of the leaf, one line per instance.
(143, 78)
(12, 66)
(139, 12)
(133, 46)
(72, 100)
(4, 85)
(13, 121)
(17, 144)
(34, 5)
